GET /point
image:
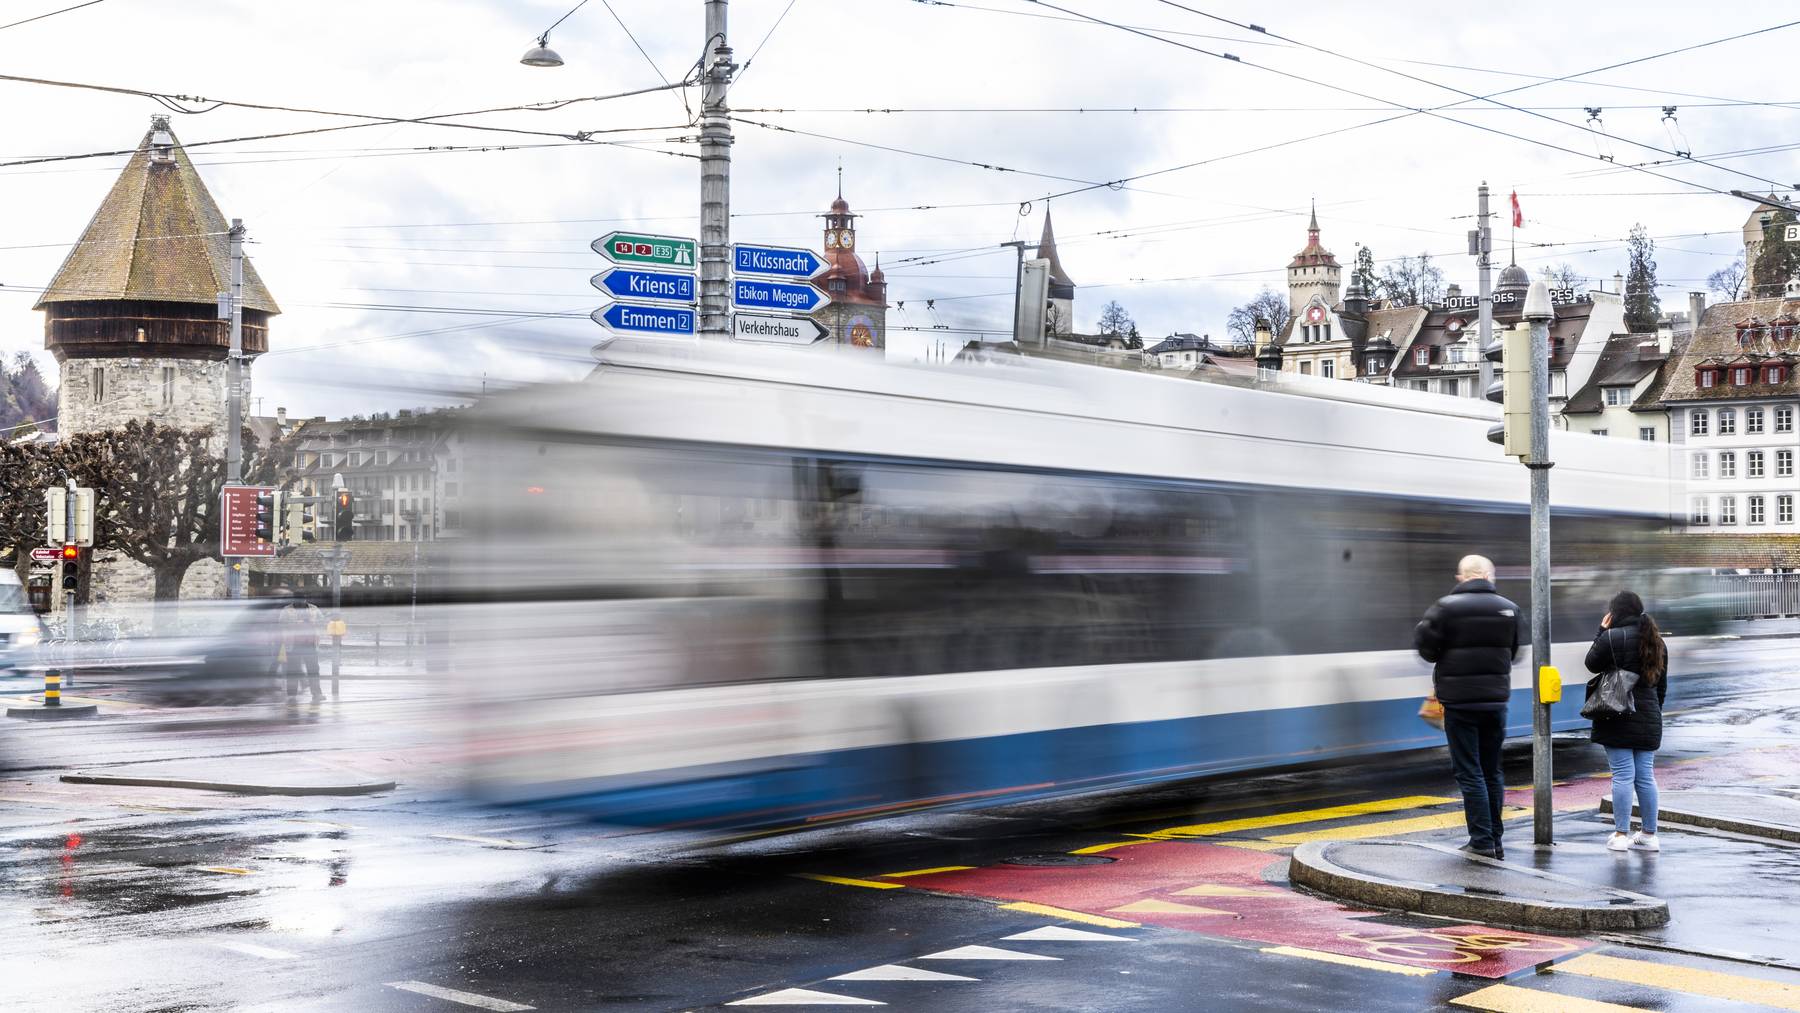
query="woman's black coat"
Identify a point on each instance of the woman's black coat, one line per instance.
(1642, 728)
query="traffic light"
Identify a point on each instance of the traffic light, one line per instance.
(1511, 352)
(344, 521)
(268, 508)
(296, 523)
(71, 568)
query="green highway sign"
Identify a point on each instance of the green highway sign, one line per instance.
(658, 251)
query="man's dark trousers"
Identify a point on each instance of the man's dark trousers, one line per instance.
(1475, 737)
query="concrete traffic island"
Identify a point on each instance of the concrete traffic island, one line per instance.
(283, 781)
(62, 713)
(1433, 879)
(1746, 811)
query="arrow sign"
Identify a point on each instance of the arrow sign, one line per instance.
(653, 251)
(748, 293)
(629, 318)
(776, 329)
(636, 283)
(776, 261)
(45, 555)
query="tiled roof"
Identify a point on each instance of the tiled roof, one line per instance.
(1623, 361)
(1184, 343)
(1652, 397)
(1716, 339)
(159, 237)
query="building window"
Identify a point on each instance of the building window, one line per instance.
(381, 457)
(1776, 374)
(1784, 419)
(1784, 509)
(1697, 419)
(1699, 467)
(1754, 510)
(1706, 378)
(1784, 464)
(1727, 509)
(1753, 420)
(1699, 514)
(1616, 396)
(1740, 377)
(1753, 464)
(1647, 434)
(1454, 353)
(1728, 422)
(1727, 465)
(1328, 369)
(97, 386)
(1306, 369)
(1598, 432)
(168, 385)
(1422, 356)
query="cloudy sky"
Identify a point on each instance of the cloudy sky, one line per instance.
(409, 274)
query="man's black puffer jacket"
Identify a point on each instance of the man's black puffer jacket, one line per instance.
(1471, 636)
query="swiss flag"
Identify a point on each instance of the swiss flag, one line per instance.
(1518, 215)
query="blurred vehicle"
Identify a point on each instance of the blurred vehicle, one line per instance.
(182, 653)
(21, 631)
(719, 586)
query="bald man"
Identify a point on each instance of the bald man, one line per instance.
(1471, 637)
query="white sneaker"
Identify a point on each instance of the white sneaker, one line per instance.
(1645, 842)
(1618, 842)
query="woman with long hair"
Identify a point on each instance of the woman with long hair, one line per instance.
(1629, 640)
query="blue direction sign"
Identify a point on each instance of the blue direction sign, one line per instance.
(776, 261)
(637, 283)
(630, 318)
(751, 294)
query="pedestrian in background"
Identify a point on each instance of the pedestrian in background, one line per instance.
(301, 621)
(1471, 637)
(1629, 641)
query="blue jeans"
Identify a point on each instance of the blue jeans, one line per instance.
(1475, 738)
(1633, 768)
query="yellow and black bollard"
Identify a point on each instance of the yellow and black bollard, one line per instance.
(53, 703)
(52, 688)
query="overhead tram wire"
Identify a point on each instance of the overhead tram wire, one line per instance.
(1181, 110)
(745, 69)
(1407, 111)
(50, 14)
(1494, 100)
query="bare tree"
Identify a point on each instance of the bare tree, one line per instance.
(1563, 275)
(1412, 281)
(1267, 305)
(1114, 319)
(1728, 281)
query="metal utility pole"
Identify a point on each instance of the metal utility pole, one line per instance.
(1481, 244)
(71, 627)
(1538, 315)
(715, 177)
(1018, 246)
(234, 391)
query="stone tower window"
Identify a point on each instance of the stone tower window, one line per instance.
(97, 387)
(168, 385)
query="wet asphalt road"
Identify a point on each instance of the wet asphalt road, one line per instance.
(118, 898)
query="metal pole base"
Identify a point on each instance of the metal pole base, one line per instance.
(68, 710)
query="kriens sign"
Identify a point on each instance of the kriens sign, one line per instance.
(636, 283)
(775, 295)
(776, 261)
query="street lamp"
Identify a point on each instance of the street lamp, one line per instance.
(541, 55)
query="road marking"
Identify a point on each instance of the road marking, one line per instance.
(227, 870)
(1167, 907)
(326, 823)
(1390, 828)
(983, 953)
(1064, 934)
(1513, 999)
(1095, 849)
(804, 997)
(497, 842)
(1386, 805)
(457, 995)
(897, 972)
(1348, 961)
(926, 872)
(1254, 845)
(265, 952)
(846, 881)
(1074, 916)
(1216, 890)
(1677, 978)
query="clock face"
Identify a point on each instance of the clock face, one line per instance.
(843, 240)
(830, 240)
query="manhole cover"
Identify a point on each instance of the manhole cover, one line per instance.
(1056, 858)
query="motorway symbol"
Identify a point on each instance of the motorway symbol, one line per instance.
(776, 261)
(652, 251)
(629, 318)
(776, 329)
(637, 283)
(751, 294)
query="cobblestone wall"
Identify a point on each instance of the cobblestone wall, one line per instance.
(102, 394)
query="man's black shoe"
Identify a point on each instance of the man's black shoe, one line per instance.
(1473, 850)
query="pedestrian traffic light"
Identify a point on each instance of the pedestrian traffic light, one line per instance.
(344, 521)
(1511, 389)
(268, 507)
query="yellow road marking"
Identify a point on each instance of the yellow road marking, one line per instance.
(1386, 805)
(1095, 849)
(926, 872)
(225, 869)
(1513, 999)
(1676, 978)
(1390, 828)
(1254, 845)
(1074, 916)
(1339, 958)
(1215, 890)
(845, 881)
(1167, 907)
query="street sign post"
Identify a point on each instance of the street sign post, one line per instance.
(631, 318)
(649, 251)
(773, 329)
(636, 283)
(776, 261)
(751, 294)
(46, 554)
(237, 522)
